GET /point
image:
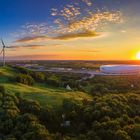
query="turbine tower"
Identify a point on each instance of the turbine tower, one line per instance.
(3, 52)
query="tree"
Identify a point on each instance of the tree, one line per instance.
(122, 135)
(38, 76)
(53, 81)
(25, 79)
(29, 106)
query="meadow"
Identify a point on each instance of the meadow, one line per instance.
(46, 95)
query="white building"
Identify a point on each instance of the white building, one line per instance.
(68, 87)
(120, 69)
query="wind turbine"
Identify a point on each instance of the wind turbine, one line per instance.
(3, 52)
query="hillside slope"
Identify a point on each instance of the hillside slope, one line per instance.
(45, 95)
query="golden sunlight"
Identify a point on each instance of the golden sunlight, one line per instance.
(138, 55)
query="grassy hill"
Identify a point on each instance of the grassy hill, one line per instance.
(45, 95)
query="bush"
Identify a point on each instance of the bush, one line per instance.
(38, 76)
(2, 89)
(53, 81)
(29, 106)
(98, 89)
(25, 79)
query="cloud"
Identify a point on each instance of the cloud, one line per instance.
(88, 2)
(25, 46)
(92, 22)
(71, 11)
(123, 31)
(31, 39)
(71, 21)
(74, 35)
(35, 29)
(33, 57)
(32, 30)
(83, 34)
(90, 51)
(87, 26)
(75, 17)
(68, 12)
(32, 46)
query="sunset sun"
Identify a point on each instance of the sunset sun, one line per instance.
(138, 55)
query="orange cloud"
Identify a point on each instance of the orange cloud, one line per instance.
(25, 46)
(85, 33)
(90, 51)
(31, 39)
(82, 34)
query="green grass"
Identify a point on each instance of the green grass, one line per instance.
(46, 96)
(6, 73)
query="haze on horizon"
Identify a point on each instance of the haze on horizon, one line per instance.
(71, 29)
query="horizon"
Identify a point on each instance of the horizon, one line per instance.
(8, 60)
(71, 30)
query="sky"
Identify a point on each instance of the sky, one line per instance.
(70, 29)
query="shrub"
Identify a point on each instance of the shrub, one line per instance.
(25, 79)
(53, 81)
(38, 76)
(2, 89)
(98, 89)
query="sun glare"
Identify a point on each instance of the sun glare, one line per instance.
(138, 55)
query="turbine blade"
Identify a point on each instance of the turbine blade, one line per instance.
(3, 43)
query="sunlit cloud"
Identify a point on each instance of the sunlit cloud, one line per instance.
(82, 34)
(65, 36)
(30, 39)
(70, 22)
(25, 46)
(88, 26)
(123, 31)
(90, 51)
(94, 22)
(69, 12)
(32, 30)
(88, 2)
